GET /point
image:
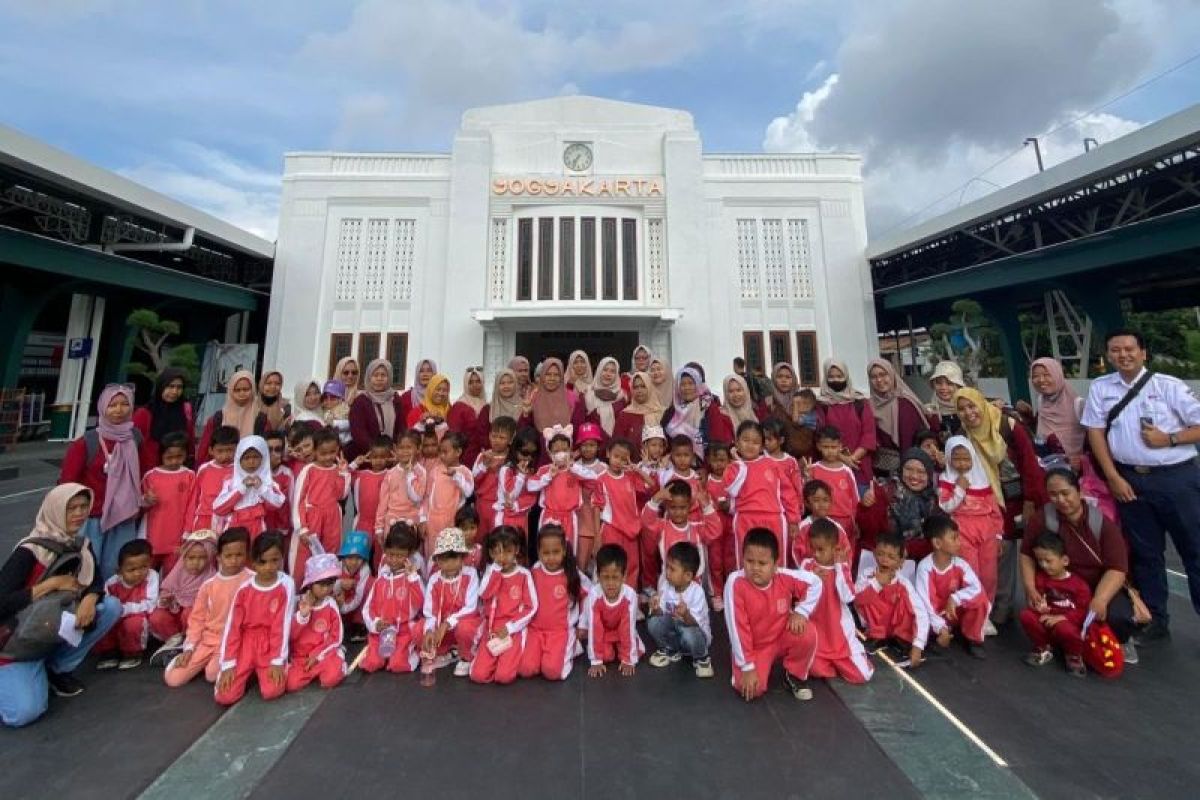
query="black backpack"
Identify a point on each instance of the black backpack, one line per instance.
(91, 441)
(32, 633)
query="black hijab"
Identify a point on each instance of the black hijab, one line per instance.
(167, 417)
(910, 509)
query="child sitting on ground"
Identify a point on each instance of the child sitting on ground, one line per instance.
(767, 611)
(316, 637)
(392, 612)
(839, 652)
(550, 640)
(210, 612)
(507, 603)
(950, 589)
(610, 615)
(1056, 615)
(136, 586)
(165, 491)
(255, 642)
(177, 593)
(888, 604)
(353, 582)
(818, 499)
(678, 619)
(451, 606)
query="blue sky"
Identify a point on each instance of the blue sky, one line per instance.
(200, 99)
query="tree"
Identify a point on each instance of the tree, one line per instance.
(150, 334)
(970, 339)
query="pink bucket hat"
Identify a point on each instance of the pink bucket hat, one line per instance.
(321, 567)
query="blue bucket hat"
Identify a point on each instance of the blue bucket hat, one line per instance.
(356, 543)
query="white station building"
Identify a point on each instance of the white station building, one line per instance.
(570, 223)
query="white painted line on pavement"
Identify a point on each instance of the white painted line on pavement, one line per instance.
(22, 494)
(1177, 572)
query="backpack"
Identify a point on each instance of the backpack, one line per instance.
(91, 441)
(1095, 519)
(32, 633)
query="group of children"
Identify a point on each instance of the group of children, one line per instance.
(439, 567)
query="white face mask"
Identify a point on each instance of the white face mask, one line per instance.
(561, 457)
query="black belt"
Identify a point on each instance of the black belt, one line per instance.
(1140, 470)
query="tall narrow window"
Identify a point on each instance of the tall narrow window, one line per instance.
(752, 351)
(807, 358)
(629, 259)
(340, 345)
(397, 356)
(608, 258)
(545, 286)
(566, 258)
(781, 348)
(587, 258)
(524, 259)
(368, 351)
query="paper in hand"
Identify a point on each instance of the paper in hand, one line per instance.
(67, 630)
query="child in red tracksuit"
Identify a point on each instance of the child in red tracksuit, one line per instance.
(721, 558)
(551, 643)
(760, 496)
(367, 475)
(210, 480)
(767, 613)
(966, 494)
(839, 652)
(610, 615)
(514, 498)
(320, 489)
(392, 612)
(250, 493)
(165, 491)
(950, 589)
(507, 603)
(678, 526)
(774, 436)
(839, 477)
(1056, 616)
(257, 634)
(817, 499)
(888, 604)
(561, 484)
(136, 586)
(486, 470)
(316, 636)
(451, 605)
(654, 460)
(615, 494)
(402, 492)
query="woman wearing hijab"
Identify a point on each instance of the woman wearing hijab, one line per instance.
(241, 411)
(604, 398)
(947, 378)
(780, 405)
(737, 408)
(579, 372)
(846, 409)
(520, 367)
(166, 412)
(24, 685)
(435, 403)
(414, 395)
(275, 408)
(661, 382)
(464, 413)
(1058, 408)
(505, 402)
(694, 412)
(550, 404)
(1016, 477)
(899, 416)
(638, 362)
(376, 411)
(643, 409)
(902, 505)
(105, 460)
(350, 373)
(306, 404)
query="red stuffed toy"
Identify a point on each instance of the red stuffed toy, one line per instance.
(1102, 652)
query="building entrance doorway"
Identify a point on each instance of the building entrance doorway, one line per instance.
(539, 345)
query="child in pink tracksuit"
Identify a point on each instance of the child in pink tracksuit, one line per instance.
(450, 484)
(255, 642)
(316, 636)
(402, 492)
(610, 615)
(966, 494)
(507, 603)
(250, 493)
(136, 586)
(550, 640)
(839, 652)
(320, 489)
(561, 484)
(949, 588)
(451, 605)
(210, 612)
(392, 612)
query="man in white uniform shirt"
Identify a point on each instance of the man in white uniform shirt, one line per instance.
(1147, 452)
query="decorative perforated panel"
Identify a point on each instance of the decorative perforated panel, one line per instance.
(349, 245)
(747, 256)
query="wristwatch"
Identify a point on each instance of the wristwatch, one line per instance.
(1171, 439)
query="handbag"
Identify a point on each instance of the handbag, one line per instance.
(886, 461)
(32, 634)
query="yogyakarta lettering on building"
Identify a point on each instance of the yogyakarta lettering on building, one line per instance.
(579, 187)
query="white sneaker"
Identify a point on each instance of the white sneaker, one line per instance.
(462, 669)
(704, 669)
(445, 660)
(168, 651)
(130, 663)
(1129, 652)
(661, 658)
(108, 663)
(989, 629)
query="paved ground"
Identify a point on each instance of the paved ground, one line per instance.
(957, 728)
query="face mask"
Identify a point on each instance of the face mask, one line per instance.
(561, 457)
(837, 386)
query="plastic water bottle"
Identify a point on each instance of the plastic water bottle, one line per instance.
(387, 642)
(428, 675)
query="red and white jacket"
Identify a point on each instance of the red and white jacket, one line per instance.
(350, 600)
(394, 598)
(164, 522)
(612, 621)
(507, 599)
(141, 598)
(210, 478)
(450, 600)
(561, 492)
(756, 616)
(668, 534)
(262, 613)
(616, 497)
(317, 633)
(555, 610)
(367, 489)
(935, 587)
(761, 487)
(899, 599)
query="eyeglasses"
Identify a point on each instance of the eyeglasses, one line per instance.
(349, 372)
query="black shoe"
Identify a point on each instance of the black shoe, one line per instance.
(873, 646)
(799, 689)
(1156, 631)
(976, 651)
(64, 684)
